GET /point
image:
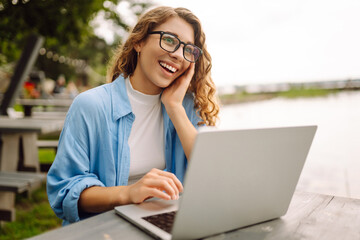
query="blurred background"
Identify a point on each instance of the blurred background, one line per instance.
(72, 50)
(275, 63)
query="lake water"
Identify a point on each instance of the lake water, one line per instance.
(333, 163)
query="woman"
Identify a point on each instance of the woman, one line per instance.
(129, 140)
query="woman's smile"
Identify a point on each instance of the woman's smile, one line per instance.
(168, 67)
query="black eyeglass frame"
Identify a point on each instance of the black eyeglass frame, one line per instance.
(177, 47)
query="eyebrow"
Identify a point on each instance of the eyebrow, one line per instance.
(178, 36)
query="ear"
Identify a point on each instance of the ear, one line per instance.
(138, 46)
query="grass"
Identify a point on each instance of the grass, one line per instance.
(46, 155)
(33, 215)
(306, 93)
(18, 108)
(243, 96)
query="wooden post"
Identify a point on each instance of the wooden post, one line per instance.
(7, 199)
(30, 151)
(22, 70)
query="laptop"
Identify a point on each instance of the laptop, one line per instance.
(235, 178)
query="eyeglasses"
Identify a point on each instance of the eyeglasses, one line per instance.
(170, 43)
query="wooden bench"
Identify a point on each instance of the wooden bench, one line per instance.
(47, 144)
(15, 183)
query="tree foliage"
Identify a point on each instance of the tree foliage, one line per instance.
(65, 24)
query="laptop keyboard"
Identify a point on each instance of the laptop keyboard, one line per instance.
(164, 220)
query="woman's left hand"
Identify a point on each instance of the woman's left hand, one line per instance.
(173, 95)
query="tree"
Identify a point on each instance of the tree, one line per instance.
(65, 24)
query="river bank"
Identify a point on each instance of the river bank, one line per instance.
(292, 93)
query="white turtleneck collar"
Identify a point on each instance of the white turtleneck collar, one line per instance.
(141, 97)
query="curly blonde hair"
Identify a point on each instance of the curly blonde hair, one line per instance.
(202, 86)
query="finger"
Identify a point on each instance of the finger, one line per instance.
(190, 71)
(149, 192)
(153, 192)
(178, 185)
(171, 182)
(187, 76)
(140, 193)
(163, 184)
(177, 182)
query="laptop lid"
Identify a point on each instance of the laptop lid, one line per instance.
(236, 178)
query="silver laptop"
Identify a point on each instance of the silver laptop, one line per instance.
(235, 178)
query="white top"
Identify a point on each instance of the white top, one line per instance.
(146, 139)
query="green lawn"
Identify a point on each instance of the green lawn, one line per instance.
(46, 155)
(34, 215)
(306, 93)
(294, 92)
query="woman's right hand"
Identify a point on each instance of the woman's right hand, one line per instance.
(156, 183)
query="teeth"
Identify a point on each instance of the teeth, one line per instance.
(172, 69)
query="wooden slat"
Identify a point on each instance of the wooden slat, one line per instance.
(310, 216)
(47, 143)
(59, 102)
(14, 185)
(22, 125)
(19, 182)
(23, 175)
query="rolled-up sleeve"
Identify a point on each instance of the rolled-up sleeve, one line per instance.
(70, 172)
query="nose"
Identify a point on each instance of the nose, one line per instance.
(178, 54)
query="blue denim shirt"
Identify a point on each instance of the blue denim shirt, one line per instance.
(93, 147)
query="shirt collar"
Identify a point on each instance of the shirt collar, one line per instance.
(119, 98)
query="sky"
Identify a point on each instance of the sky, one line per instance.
(262, 41)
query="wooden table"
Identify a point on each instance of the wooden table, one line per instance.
(18, 141)
(310, 216)
(11, 125)
(18, 149)
(28, 104)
